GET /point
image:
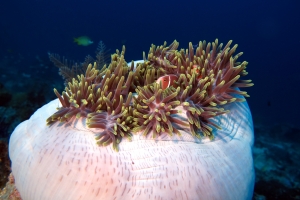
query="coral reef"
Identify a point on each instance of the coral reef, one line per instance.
(4, 163)
(276, 149)
(10, 191)
(69, 69)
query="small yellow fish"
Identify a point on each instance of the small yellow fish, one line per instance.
(83, 40)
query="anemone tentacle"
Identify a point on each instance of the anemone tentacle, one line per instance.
(203, 81)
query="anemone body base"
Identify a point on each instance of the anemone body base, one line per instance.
(63, 161)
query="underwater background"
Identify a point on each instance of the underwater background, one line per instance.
(266, 31)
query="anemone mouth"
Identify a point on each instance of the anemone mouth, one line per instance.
(120, 99)
(155, 110)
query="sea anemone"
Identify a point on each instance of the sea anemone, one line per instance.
(200, 123)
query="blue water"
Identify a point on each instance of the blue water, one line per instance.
(267, 31)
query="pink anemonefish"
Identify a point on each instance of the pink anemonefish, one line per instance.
(166, 80)
(195, 67)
